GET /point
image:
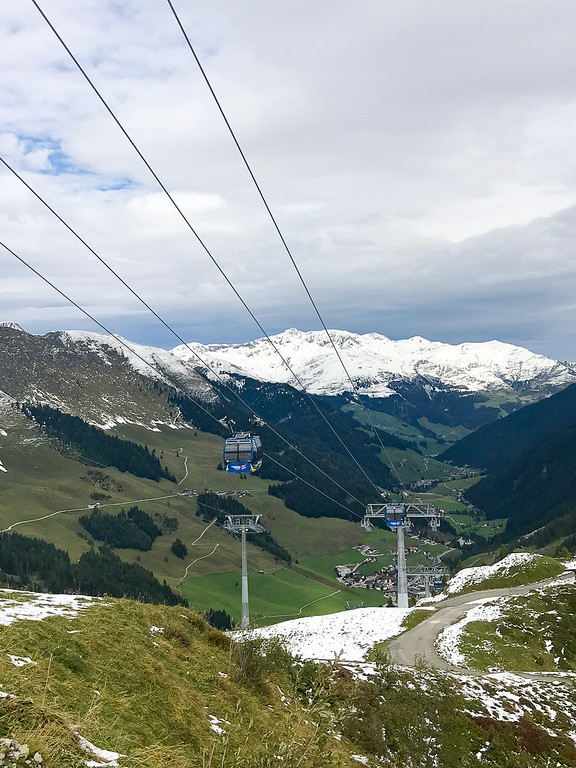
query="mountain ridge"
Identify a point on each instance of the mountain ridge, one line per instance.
(376, 362)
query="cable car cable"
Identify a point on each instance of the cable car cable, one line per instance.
(198, 238)
(258, 187)
(275, 224)
(167, 325)
(157, 370)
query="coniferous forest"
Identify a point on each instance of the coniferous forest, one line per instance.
(134, 529)
(93, 444)
(29, 563)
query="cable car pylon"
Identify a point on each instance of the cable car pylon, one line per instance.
(244, 524)
(397, 516)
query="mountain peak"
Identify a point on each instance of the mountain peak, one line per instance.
(12, 326)
(375, 362)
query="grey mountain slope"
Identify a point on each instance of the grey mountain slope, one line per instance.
(93, 376)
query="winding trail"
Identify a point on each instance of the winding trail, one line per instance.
(186, 468)
(84, 509)
(199, 558)
(418, 644)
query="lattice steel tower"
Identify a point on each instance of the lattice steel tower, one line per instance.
(244, 524)
(396, 517)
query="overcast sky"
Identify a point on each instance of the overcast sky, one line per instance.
(420, 158)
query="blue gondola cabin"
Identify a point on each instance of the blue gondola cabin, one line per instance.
(243, 453)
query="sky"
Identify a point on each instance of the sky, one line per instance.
(418, 157)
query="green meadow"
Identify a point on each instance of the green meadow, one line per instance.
(274, 597)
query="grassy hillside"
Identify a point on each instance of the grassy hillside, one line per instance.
(430, 437)
(510, 642)
(274, 597)
(411, 466)
(158, 688)
(40, 480)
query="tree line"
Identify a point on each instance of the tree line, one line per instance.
(134, 529)
(93, 444)
(30, 563)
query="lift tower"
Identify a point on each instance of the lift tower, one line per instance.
(244, 524)
(397, 516)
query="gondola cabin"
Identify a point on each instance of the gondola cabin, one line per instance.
(243, 453)
(394, 515)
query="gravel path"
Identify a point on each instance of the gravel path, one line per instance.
(418, 644)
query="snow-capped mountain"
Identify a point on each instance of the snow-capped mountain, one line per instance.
(107, 380)
(376, 362)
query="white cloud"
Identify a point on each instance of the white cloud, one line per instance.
(417, 156)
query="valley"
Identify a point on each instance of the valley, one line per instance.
(466, 667)
(52, 486)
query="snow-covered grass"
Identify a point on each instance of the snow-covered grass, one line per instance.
(448, 641)
(531, 631)
(347, 635)
(515, 569)
(507, 697)
(34, 606)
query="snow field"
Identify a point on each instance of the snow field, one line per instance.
(16, 605)
(347, 635)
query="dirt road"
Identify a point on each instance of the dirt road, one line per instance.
(418, 644)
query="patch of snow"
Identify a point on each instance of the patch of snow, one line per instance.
(447, 643)
(38, 606)
(347, 635)
(19, 661)
(2, 467)
(13, 326)
(469, 576)
(360, 759)
(3, 433)
(215, 724)
(104, 756)
(155, 630)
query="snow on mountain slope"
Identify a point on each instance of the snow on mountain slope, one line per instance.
(95, 376)
(374, 361)
(163, 365)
